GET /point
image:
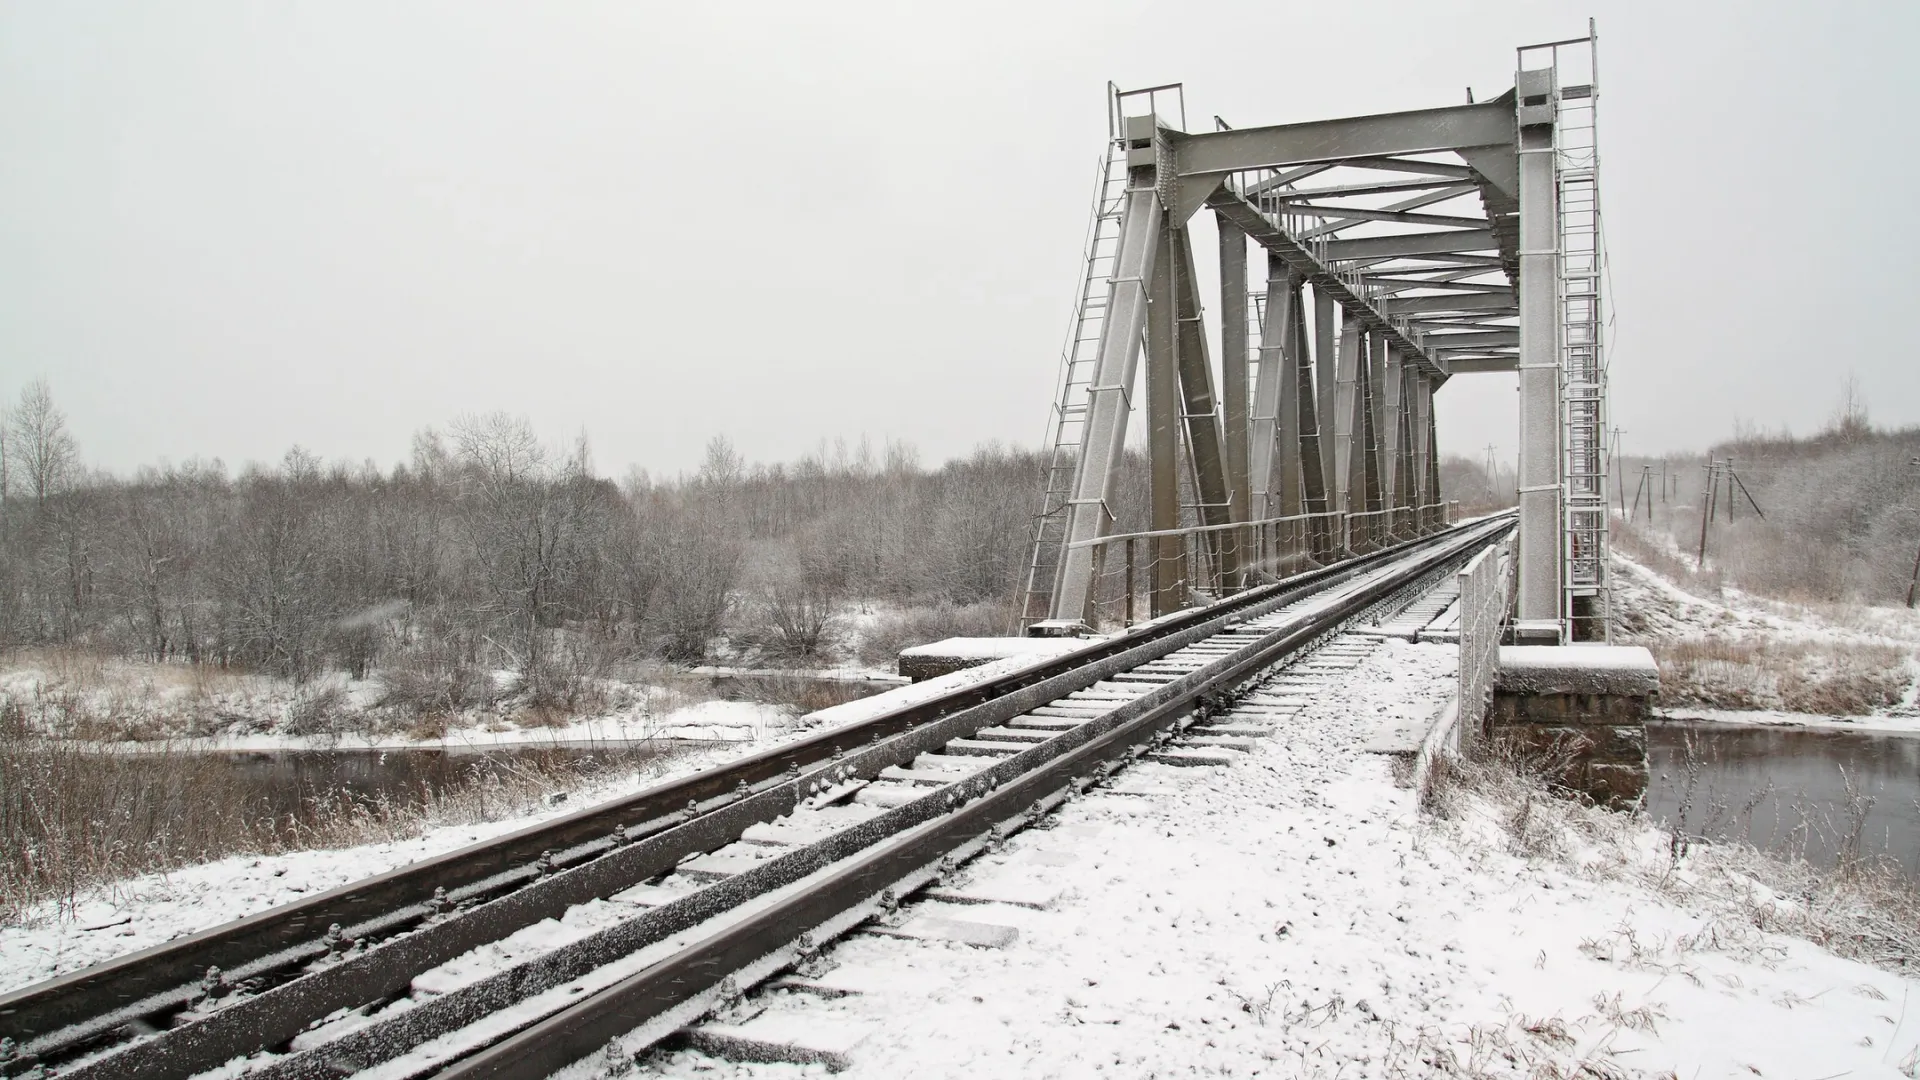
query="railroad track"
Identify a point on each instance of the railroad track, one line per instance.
(523, 954)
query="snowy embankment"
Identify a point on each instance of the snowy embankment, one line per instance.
(1742, 659)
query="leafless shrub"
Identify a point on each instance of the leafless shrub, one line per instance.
(434, 690)
(322, 709)
(880, 645)
(566, 681)
(802, 615)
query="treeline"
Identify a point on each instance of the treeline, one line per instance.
(1841, 509)
(488, 548)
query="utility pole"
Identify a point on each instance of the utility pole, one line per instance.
(1613, 466)
(1731, 505)
(1707, 500)
(1913, 582)
(1493, 476)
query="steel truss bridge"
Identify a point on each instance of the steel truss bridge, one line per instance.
(1401, 250)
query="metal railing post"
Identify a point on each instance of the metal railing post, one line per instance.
(1129, 581)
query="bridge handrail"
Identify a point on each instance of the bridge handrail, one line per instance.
(1190, 530)
(1486, 590)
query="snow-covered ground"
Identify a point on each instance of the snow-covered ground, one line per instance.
(1296, 915)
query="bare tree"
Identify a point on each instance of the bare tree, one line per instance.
(39, 438)
(531, 516)
(1850, 421)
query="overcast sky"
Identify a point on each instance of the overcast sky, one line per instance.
(226, 228)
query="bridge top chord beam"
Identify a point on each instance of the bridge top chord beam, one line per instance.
(1420, 131)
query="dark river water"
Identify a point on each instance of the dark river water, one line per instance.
(1812, 793)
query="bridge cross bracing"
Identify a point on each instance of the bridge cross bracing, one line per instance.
(1400, 250)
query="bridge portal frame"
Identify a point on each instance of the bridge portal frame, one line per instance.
(1400, 274)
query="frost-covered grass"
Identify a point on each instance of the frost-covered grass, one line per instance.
(1862, 908)
(1719, 648)
(1820, 678)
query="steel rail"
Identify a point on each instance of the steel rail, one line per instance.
(637, 837)
(999, 797)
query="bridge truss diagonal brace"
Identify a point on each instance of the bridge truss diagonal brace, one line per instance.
(1313, 487)
(1267, 383)
(1109, 398)
(1206, 438)
(1359, 309)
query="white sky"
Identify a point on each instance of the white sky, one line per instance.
(229, 227)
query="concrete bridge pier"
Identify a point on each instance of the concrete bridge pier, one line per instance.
(1580, 711)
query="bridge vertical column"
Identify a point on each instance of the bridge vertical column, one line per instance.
(1420, 424)
(1434, 494)
(1233, 361)
(1346, 414)
(1325, 326)
(1287, 428)
(1163, 436)
(1537, 596)
(1373, 373)
(1313, 482)
(1408, 480)
(1265, 412)
(1393, 386)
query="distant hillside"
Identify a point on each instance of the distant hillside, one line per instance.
(1842, 512)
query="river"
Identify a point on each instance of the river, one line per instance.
(1805, 792)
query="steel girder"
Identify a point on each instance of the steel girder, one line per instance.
(1387, 134)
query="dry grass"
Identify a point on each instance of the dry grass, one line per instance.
(73, 818)
(881, 643)
(1863, 907)
(1819, 678)
(77, 693)
(1659, 558)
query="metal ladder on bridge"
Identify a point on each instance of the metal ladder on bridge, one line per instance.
(1066, 424)
(1583, 376)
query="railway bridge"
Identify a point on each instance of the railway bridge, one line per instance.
(1402, 250)
(1291, 505)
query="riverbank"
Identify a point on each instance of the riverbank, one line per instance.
(1740, 658)
(111, 701)
(1883, 724)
